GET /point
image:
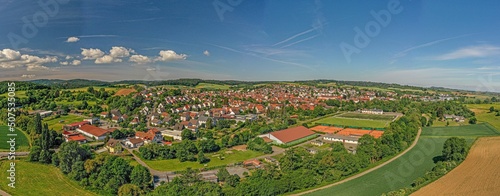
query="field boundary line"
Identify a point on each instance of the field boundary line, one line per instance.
(367, 171)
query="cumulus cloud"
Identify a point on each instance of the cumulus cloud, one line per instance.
(13, 59)
(471, 52)
(72, 39)
(74, 62)
(68, 57)
(118, 52)
(107, 59)
(139, 59)
(91, 53)
(206, 53)
(170, 55)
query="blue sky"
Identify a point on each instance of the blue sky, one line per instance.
(426, 43)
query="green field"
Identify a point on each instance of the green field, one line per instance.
(39, 179)
(212, 86)
(22, 141)
(412, 165)
(74, 103)
(438, 123)
(19, 94)
(176, 165)
(354, 122)
(483, 113)
(57, 125)
(383, 117)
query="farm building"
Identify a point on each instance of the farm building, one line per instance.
(288, 136)
(92, 132)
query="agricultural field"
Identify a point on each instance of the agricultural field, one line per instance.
(40, 179)
(470, 177)
(19, 94)
(22, 141)
(74, 103)
(176, 165)
(483, 113)
(354, 122)
(357, 115)
(96, 88)
(58, 123)
(412, 165)
(212, 86)
(124, 91)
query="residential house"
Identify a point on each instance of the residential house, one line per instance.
(151, 136)
(134, 143)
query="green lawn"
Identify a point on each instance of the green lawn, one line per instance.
(383, 117)
(38, 179)
(22, 143)
(74, 103)
(212, 86)
(438, 123)
(176, 165)
(412, 165)
(354, 122)
(57, 125)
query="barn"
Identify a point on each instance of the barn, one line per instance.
(290, 135)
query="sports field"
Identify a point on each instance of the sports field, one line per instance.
(39, 179)
(57, 123)
(334, 120)
(412, 165)
(356, 115)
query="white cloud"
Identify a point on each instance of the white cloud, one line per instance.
(471, 52)
(76, 62)
(92, 53)
(68, 57)
(14, 59)
(118, 51)
(72, 39)
(206, 53)
(139, 59)
(107, 59)
(9, 55)
(170, 55)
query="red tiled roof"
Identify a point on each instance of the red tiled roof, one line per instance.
(291, 134)
(76, 124)
(96, 131)
(76, 138)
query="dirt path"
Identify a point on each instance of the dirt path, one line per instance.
(3, 193)
(367, 171)
(479, 174)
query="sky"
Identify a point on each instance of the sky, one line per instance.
(424, 43)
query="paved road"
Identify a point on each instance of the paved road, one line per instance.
(3, 193)
(367, 171)
(6, 154)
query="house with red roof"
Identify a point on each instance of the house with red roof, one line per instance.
(151, 136)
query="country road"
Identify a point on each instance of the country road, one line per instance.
(367, 171)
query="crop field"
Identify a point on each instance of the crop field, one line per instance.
(39, 179)
(176, 165)
(22, 141)
(368, 116)
(412, 165)
(212, 86)
(124, 91)
(58, 123)
(354, 122)
(477, 175)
